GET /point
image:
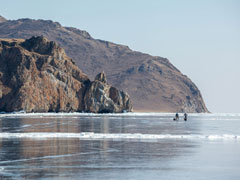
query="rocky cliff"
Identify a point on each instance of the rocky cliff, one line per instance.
(153, 83)
(103, 98)
(37, 76)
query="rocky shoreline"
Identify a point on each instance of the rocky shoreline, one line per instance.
(36, 75)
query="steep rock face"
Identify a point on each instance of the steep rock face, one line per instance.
(37, 76)
(103, 98)
(153, 83)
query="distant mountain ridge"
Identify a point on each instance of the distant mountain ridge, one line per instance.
(2, 19)
(152, 82)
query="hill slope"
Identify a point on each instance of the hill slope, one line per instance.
(153, 83)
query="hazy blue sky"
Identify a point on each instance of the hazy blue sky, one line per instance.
(201, 38)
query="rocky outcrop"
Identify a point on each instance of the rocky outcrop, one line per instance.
(152, 82)
(37, 76)
(103, 98)
(101, 77)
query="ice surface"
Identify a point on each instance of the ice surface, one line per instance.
(119, 146)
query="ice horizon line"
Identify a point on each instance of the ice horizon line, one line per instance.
(21, 113)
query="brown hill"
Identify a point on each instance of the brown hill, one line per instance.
(153, 83)
(2, 19)
(37, 76)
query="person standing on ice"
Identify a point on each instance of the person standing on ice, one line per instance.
(185, 116)
(176, 117)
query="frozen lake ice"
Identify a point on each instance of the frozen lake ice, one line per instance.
(119, 146)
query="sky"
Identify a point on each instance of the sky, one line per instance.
(201, 38)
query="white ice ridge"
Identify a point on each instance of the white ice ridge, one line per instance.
(126, 136)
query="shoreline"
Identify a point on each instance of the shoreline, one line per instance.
(63, 114)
